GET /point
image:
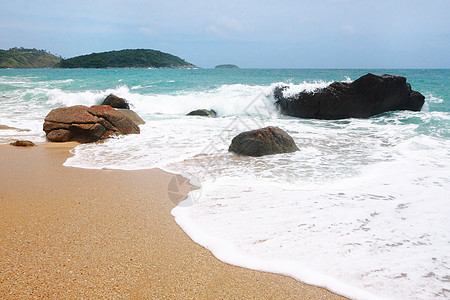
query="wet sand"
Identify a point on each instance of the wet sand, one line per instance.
(76, 233)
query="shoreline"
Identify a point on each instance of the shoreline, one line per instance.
(70, 232)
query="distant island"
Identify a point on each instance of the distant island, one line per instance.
(21, 58)
(227, 66)
(130, 58)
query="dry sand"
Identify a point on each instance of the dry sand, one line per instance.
(75, 233)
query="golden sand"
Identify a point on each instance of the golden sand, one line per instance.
(75, 233)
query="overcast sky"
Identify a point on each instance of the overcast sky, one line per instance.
(251, 34)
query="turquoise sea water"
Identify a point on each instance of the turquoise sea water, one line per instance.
(362, 209)
(169, 81)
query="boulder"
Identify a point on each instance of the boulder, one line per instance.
(367, 96)
(116, 118)
(132, 116)
(69, 115)
(264, 141)
(23, 143)
(203, 113)
(123, 106)
(116, 102)
(61, 135)
(86, 124)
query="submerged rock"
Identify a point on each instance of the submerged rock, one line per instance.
(22, 143)
(116, 102)
(87, 124)
(367, 96)
(203, 113)
(264, 141)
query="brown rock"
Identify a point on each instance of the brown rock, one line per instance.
(85, 125)
(106, 124)
(59, 135)
(23, 143)
(117, 119)
(86, 133)
(132, 116)
(69, 115)
(49, 126)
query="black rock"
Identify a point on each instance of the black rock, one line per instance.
(116, 102)
(203, 113)
(367, 96)
(264, 141)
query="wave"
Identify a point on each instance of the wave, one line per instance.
(432, 99)
(226, 100)
(58, 97)
(27, 104)
(28, 82)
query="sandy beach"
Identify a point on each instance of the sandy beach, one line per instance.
(77, 233)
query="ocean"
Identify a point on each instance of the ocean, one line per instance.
(363, 209)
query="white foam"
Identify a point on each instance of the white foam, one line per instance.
(389, 225)
(227, 100)
(432, 99)
(293, 89)
(58, 97)
(229, 253)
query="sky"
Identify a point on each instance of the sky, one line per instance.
(250, 34)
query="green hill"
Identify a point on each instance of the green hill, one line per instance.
(21, 58)
(227, 66)
(130, 58)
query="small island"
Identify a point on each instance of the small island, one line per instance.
(226, 66)
(129, 58)
(22, 58)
